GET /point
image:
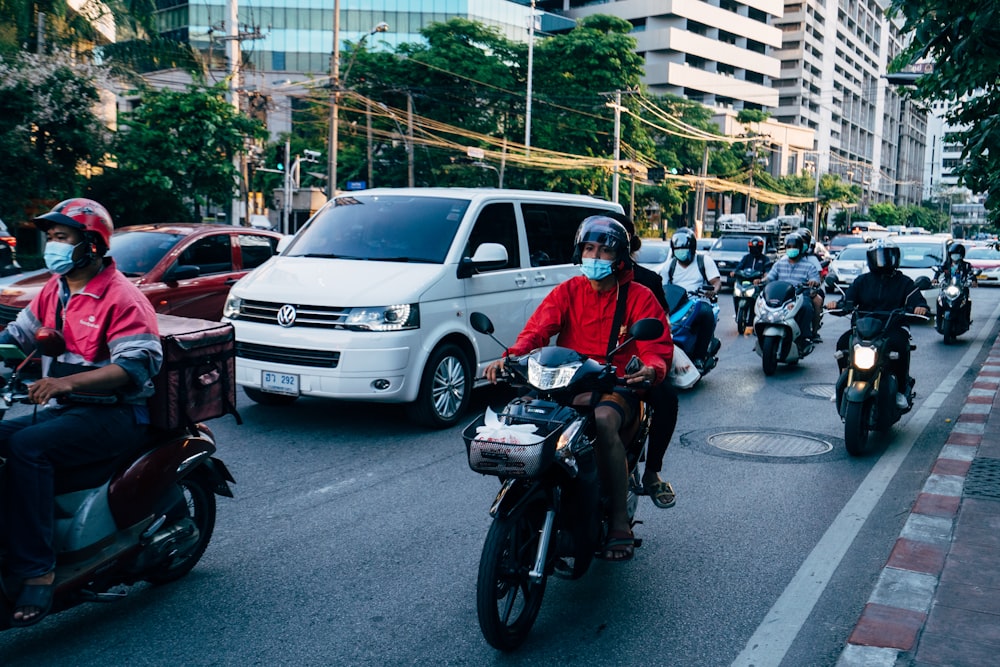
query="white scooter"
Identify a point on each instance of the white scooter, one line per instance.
(775, 326)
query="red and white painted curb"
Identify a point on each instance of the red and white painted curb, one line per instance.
(898, 607)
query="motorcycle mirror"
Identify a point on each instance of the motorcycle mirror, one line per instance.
(922, 283)
(50, 342)
(481, 323)
(649, 328)
(831, 281)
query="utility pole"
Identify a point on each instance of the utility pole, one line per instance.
(409, 133)
(618, 144)
(699, 212)
(331, 172)
(233, 55)
(816, 195)
(531, 57)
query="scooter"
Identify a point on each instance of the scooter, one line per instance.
(954, 309)
(550, 515)
(866, 389)
(775, 326)
(686, 371)
(146, 515)
(745, 293)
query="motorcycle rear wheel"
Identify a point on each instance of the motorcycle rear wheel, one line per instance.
(769, 355)
(507, 602)
(857, 427)
(200, 501)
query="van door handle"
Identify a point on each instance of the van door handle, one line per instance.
(540, 278)
(520, 280)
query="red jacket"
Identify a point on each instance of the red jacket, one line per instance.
(581, 318)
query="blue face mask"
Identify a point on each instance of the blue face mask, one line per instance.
(59, 257)
(792, 253)
(682, 254)
(955, 257)
(596, 269)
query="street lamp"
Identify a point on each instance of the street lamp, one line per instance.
(331, 181)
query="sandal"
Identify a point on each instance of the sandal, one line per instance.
(36, 598)
(619, 547)
(661, 493)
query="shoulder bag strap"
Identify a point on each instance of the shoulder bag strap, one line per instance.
(616, 323)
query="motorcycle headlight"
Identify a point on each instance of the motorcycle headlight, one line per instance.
(864, 357)
(545, 378)
(952, 291)
(567, 437)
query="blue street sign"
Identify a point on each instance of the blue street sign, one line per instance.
(356, 185)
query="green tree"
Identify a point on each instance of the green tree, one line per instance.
(833, 190)
(178, 148)
(962, 38)
(49, 133)
(885, 214)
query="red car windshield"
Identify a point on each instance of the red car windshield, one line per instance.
(135, 253)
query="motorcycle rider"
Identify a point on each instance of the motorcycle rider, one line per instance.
(112, 352)
(694, 272)
(884, 288)
(817, 294)
(755, 261)
(955, 265)
(581, 313)
(662, 397)
(796, 269)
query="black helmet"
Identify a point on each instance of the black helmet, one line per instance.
(756, 246)
(604, 230)
(883, 259)
(956, 248)
(684, 238)
(795, 240)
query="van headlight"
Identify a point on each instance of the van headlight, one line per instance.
(383, 318)
(231, 310)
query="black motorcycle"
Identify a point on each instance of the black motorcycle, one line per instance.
(549, 517)
(866, 389)
(954, 308)
(745, 293)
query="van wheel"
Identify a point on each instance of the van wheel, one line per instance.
(266, 398)
(444, 389)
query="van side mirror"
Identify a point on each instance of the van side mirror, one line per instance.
(487, 256)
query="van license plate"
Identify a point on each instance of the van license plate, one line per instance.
(279, 383)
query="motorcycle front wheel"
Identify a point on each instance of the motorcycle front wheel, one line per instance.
(507, 601)
(742, 316)
(769, 355)
(857, 427)
(199, 504)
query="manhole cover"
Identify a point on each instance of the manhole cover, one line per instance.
(769, 443)
(983, 479)
(824, 391)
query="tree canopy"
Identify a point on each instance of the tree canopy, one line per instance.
(962, 39)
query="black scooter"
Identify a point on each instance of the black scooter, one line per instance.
(954, 308)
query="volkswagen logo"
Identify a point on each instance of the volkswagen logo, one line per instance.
(286, 315)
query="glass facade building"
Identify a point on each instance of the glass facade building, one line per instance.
(297, 35)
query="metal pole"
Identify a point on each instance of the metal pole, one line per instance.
(618, 144)
(699, 214)
(287, 207)
(368, 128)
(331, 172)
(409, 134)
(816, 195)
(531, 55)
(233, 55)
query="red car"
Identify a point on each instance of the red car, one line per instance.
(184, 269)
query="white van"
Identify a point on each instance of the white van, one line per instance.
(371, 299)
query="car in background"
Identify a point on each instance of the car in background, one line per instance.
(986, 261)
(920, 256)
(841, 241)
(705, 243)
(654, 254)
(849, 263)
(729, 249)
(184, 269)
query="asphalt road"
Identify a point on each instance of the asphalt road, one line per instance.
(354, 537)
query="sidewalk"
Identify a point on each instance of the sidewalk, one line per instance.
(937, 601)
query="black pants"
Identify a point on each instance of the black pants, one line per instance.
(704, 330)
(34, 445)
(899, 341)
(663, 400)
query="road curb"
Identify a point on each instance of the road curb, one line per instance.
(897, 610)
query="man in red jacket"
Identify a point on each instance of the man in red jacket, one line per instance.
(581, 312)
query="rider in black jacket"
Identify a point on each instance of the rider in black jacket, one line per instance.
(662, 397)
(755, 261)
(885, 288)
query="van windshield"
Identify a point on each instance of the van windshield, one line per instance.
(389, 228)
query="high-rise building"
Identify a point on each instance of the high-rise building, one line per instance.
(718, 52)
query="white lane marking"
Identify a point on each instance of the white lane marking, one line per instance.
(774, 636)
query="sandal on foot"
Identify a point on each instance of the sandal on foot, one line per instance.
(620, 546)
(35, 598)
(661, 493)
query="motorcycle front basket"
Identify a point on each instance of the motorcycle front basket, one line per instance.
(510, 450)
